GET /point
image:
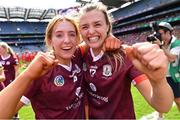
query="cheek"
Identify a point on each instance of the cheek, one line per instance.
(104, 34)
(55, 43)
(3, 50)
(162, 36)
(75, 43)
(83, 33)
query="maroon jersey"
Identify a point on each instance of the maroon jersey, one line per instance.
(9, 70)
(58, 93)
(109, 94)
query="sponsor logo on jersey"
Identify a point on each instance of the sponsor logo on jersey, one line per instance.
(93, 87)
(77, 102)
(107, 70)
(59, 80)
(105, 99)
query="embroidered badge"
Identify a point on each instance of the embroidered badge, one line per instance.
(107, 70)
(59, 80)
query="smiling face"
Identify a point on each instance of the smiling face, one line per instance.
(3, 50)
(94, 29)
(64, 40)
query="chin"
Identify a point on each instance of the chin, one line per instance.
(95, 46)
(68, 56)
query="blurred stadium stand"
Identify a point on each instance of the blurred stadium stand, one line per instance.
(115, 3)
(19, 34)
(24, 28)
(135, 18)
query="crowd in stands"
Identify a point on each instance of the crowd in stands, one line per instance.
(135, 37)
(145, 23)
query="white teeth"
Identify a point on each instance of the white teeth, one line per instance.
(66, 48)
(93, 39)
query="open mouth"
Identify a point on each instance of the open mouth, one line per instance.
(93, 39)
(66, 48)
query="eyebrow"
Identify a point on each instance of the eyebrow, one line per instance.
(67, 31)
(99, 21)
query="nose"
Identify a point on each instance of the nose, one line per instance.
(66, 39)
(91, 30)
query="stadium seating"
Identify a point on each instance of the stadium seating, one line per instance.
(23, 35)
(132, 23)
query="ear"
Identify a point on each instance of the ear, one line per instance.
(50, 43)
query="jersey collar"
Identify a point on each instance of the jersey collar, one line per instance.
(96, 58)
(69, 68)
(5, 58)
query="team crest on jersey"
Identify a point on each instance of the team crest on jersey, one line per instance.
(59, 80)
(93, 87)
(107, 70)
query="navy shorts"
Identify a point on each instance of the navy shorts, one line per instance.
(175, 87)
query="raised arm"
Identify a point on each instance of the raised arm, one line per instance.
(111, 43)
(8, 98)
(151, 60)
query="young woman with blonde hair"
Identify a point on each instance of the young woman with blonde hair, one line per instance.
(54, 79)
(108, 75)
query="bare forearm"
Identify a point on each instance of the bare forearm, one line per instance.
(10, 96)
(2, 76)
(162, 97)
